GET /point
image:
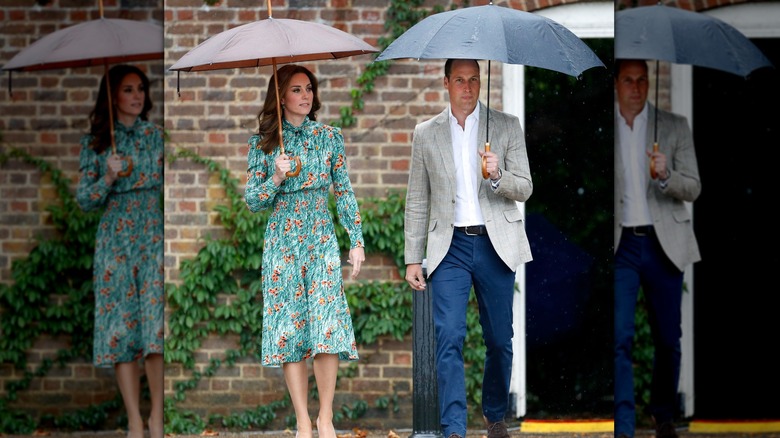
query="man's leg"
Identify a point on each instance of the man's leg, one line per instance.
(663, 289)
(626, 289)
(450, 285)
(495, 289)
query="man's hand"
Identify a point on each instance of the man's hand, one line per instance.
(658, 161)
(491, 163)
(414, 276)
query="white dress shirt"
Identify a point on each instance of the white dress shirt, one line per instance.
(464, 150)
(636, 170)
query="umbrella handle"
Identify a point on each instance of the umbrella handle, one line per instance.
(129, 170)
(653, 173)
(485, 173)
(297, 167)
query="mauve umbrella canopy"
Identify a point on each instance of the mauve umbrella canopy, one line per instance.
(271, 41)
(680, 36)
(495, 33)
(95, 42)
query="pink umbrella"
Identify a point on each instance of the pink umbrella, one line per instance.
(103, 41)
(271, 42)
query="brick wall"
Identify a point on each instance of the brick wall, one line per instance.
(214, 116)
(46, 117)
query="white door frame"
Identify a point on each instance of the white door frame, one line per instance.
(586, 20)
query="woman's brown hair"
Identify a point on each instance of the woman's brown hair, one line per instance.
(267, 119)
(100, 123)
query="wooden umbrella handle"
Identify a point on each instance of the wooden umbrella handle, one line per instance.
(485, 173)
(279, 116)
(129, 169)
(653, 173)
(297, 168)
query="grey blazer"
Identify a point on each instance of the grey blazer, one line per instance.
(430, 197)
(671, 219)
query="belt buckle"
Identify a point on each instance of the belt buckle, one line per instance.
(466, 229)
(638, 233)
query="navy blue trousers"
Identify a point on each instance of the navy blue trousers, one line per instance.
(472, 261)
(641, 262)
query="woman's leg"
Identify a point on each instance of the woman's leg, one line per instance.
(128, 377)
(296, 374)
(153, 364)
(326, 368)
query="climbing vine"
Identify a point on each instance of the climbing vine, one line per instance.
(51, 294)
(219, 294)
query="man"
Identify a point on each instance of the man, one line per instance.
(472, 233)
(654, 241)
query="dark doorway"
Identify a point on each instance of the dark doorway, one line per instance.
(737, 300)
(569, 126)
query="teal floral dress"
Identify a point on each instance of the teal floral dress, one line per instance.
(128, 267)
(305, 311)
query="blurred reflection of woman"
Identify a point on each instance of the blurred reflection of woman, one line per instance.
(128, 264)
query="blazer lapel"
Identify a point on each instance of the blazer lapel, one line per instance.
(443, 144)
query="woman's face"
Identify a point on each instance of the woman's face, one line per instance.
(298, 98)
(130, 98)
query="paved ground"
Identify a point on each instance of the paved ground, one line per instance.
(405, 433)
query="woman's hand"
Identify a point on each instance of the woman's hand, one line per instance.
(356, 258)
(115, 165)
(281, 167)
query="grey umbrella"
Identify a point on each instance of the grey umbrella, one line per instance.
(685, 37)
(495, 33)
(664, 33)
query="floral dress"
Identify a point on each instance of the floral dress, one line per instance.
(128, 272)
(305, 310)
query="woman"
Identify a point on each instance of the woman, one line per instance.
(305, 309)
(128, 264)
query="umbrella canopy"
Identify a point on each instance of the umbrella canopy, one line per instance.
(96, 42)
(271, 42)
(495, 33)
(102, 41)
(685, 37)
(664, 33)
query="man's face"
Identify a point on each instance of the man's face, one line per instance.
(631, 85)
(463, 85)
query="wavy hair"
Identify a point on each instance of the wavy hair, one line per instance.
(268, 122)
(99, 121)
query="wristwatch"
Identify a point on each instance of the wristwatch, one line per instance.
(494, 182)
(662, 183)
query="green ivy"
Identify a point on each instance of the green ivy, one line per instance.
(401, 15)
(219, 294)
(51, 294)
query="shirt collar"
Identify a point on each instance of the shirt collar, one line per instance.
(474, 114)
(641, 117)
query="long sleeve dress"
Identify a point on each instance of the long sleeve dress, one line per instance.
(128, 272)
(305, 310)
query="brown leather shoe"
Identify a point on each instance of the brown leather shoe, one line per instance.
(666, 430)
(497, 430)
